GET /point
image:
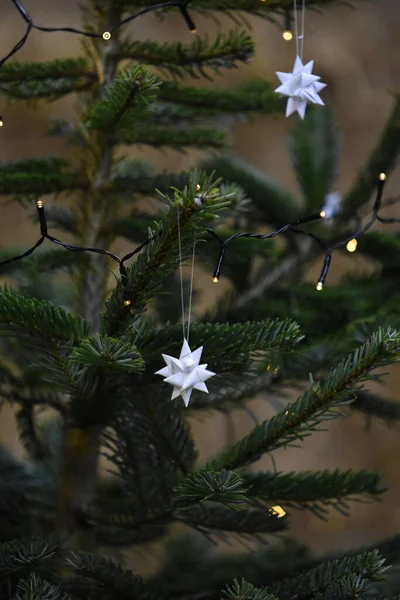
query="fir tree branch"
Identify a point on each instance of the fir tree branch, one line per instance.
(314, 489)
(381, 246)
(161, 256)
(146, 184)
(383, 159)
(100, 578)
(234, 394)
(224, 487)
(150, 443)
(51, 90)
(319, 582)
(254, 96)
(192, 59)
(21, 556)
(198, 137)
(40, 320)
(246, 591)
(205, 518)
(375, 406)
(107, 354)
(39, 71)
(35, 588)
(314, 147)
(227, 347)
(297, 420)
(37, 176)
(231, 7)
(125, 104)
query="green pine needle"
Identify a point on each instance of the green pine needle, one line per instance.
(105, 353)
(336, 576)
(299, 419)
(382, 159)
(161, 256)
(246, 591)
(36, 588)
(204, 517)
(38, 320)
(21, 556)
(313, 489)
(192, 59)
(126, 103)
(225, 487)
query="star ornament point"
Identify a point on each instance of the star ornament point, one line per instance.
(300, 87)
(185, 373)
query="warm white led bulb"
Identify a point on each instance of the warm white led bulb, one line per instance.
(351, 245)
(320, 286)
(215, 279)
(39, 204)
(287, 35)
(382, 176)
(106, 35)
(322, 214)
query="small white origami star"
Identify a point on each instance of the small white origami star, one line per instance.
(185, 374)
(300, 86)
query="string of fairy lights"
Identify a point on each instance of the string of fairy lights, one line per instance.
(350, 242)
(105, 35)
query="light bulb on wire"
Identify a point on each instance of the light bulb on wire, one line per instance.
(351, 246)
(287, 28)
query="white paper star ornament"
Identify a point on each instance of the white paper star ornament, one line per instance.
(300, 87)
(186, 373)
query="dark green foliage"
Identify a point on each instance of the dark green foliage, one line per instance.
(316, 404)
(144, 278)
(313, 490)
(383, 159)
(342, 576)
(246, 591)
(83, 389)
(226, 347)
(39, 321)
(94, 576)
(373, 405)
(197, 137)
(315, 153)
(220, 518)
(104, 353)
(49, 80)
(193, 59)
(225, 487)
(20, 556)
(269, 199)
(37, 177)
(36, 588)
(257, 95)
(125, 103)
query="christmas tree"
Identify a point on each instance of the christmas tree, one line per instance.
(86, 348)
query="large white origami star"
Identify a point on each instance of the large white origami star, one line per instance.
(185, 374)
(300, 86)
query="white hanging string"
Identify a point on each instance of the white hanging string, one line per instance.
(299, 35)
(185, 337)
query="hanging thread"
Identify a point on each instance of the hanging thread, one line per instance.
(185, 336)
(299, 35)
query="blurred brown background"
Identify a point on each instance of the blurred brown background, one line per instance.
(357, 52)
